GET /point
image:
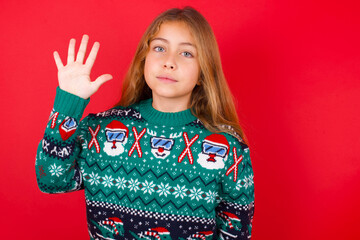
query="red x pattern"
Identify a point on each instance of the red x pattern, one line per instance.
(73, 165)
(94, 141)
(235, 166)
(41, 171)
(137, 143)
(187, 150)
(53, 119)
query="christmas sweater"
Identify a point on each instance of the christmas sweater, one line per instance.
(147, 174)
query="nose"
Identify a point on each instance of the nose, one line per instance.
(170, 66)
(170, 63)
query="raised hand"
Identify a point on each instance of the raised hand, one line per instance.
(75, 76)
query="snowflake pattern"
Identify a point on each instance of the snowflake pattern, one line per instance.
(164, 189)
(210, 197)
(108, 181)
(195, 193)
(94, 178)
(249, 181)
(148, 187)
(56, 170)
(133, 185)
(180, 191)
(120, 183)
(246, 182)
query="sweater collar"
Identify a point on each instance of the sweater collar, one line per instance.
(164, 118)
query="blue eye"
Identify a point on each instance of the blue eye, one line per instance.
(187, 54)
(158, 49)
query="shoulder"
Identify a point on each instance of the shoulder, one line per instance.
(231, 132)
(226, 143)
(238, 150)
(237, 147)
(233, 138)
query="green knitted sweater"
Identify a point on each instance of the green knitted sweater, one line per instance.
(147, 174)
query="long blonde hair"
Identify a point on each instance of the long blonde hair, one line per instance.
(211, 101)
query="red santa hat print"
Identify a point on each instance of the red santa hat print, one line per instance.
(117, 126)
(219, 140)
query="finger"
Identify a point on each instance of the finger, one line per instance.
(82, 50)
(71, 51)
(58, 61)
(92, 55)
(101, 80)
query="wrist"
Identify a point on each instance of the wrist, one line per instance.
(69, 104)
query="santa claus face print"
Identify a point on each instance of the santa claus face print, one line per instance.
(116, 137)
(214, 152)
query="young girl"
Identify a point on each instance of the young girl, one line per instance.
(169, 160)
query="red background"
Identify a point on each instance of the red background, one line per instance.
(293, 67)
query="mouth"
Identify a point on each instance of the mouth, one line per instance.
(166, 79)
(160, 155)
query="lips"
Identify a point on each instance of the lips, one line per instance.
(166, 78)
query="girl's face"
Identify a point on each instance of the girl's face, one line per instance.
(171, 64)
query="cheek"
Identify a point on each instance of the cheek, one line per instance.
(147, 72)
(193, 71)
(148, 66)
(192, 67)
(151, 63)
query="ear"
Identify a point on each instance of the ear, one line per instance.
(198, 82)
(200, 78)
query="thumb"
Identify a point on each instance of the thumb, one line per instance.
(101, 80)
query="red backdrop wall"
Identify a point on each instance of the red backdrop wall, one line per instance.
(292, 65)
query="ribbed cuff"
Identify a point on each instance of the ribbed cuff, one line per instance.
(69, 104)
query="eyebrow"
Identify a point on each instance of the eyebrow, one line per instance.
(167, 41)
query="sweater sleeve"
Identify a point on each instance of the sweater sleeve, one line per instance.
(58, 153)
(235, 211)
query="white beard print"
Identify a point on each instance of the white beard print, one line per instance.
(218, 164)
(108, 148)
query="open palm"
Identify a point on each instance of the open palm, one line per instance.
(74, 77)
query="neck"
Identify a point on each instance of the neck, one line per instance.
(170, 104)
